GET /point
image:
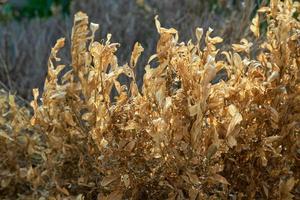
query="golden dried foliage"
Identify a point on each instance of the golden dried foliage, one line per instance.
(22, 151)
(179, 137)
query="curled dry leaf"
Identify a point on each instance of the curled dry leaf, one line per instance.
(255, 26)
(243, 47)
(219, 179)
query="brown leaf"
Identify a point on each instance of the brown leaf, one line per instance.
(285, 187)
(193, 193)
(5, 135)
(220, 179)
(108, 180)
(212, 149)
(63, 190)
(130, 146)
(231, 141)
(255, 26)
(136, 53)
(237, 118)
(193, 178)
(115, 195)
(199, 34)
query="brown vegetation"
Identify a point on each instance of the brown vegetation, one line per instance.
(25, 45)
(179, 137)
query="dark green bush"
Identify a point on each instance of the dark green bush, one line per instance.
(35, 8)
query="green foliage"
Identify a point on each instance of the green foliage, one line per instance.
(6, 12)
(44, 8)
(41, 8)
(36, 8)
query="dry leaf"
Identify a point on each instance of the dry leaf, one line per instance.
(199, 34)
(255, 26)
(219, 179)
(5, 135)
(115, 195)
(108, 180)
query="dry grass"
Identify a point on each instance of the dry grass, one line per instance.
(179, 137)
(24, 51)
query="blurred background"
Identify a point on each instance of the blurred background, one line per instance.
(29, 28)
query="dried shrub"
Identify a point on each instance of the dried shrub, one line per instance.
(180, 137)
(22, 152)
(25, 44)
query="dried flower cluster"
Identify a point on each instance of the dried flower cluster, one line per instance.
(179, 137)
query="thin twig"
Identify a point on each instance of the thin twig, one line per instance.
(6, 71)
